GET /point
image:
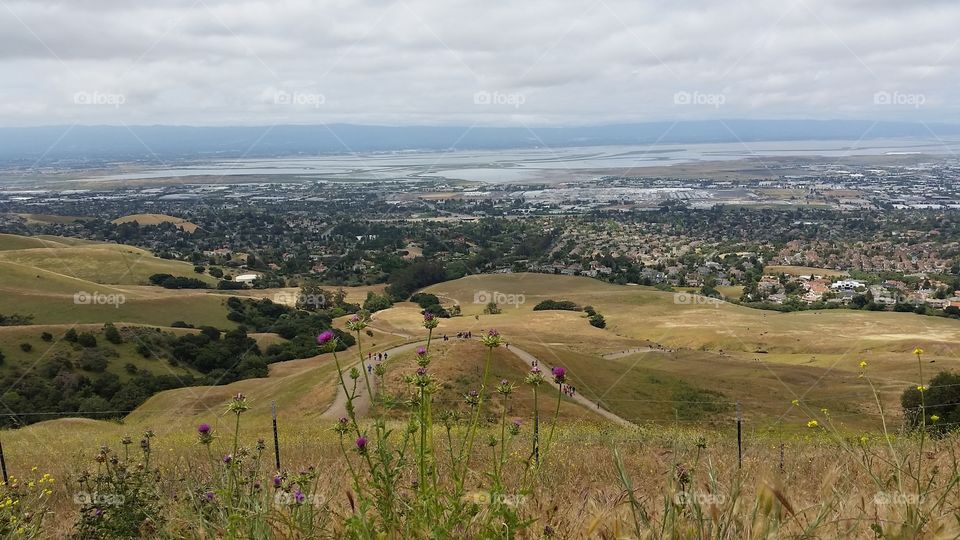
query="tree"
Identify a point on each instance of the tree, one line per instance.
(111, 334)
(598, 321)
(93, 361)
(26, 347)
(70, 335)
(376, 302)
(46, 336)
(492, 309)
(87, 339)
(941, 399)
(215, 272)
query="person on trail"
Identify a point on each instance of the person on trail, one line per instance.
(369, 368)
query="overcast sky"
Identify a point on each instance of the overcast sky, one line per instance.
(453, 62)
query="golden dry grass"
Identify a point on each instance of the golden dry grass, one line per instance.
(156, 219)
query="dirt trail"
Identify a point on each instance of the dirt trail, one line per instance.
(338, 408)
(635, 350)
(529, 359)
(361, 405)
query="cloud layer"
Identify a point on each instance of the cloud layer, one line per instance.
(453, 62)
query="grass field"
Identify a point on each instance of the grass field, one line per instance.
(109, 264)
(156, 219)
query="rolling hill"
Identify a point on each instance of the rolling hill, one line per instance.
(156, 219)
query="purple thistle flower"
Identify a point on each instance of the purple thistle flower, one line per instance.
(324, 337)
(277, 481)
(493, 333)
(228, 459)
(421, 371)
(343, 420)
(203, 428)
(362, 444)
(355, 318)
(299, 496)
(474, 393)
(559, 374)
(209, 496)
(421, 351)
(427, 316)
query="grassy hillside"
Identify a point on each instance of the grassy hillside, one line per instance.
(49, 297)
(42, 352)
(111, 264)
(14, 241)
(156, 219)
(596, 480)
(764, 359)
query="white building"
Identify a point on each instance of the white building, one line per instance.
(246, 278)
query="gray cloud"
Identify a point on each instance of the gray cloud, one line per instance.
(539, 62)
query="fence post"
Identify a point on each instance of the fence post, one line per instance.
(3, 464)
(739, 437)
(276, 438)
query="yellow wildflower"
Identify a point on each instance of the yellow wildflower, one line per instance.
(813, 424)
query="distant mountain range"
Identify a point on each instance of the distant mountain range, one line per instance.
(92, 144)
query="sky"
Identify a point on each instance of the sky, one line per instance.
(485, 63)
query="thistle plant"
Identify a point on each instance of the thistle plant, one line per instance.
(120, 499)
(535, 379)
(491, 341)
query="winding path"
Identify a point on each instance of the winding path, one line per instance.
(635, 350)
(529, 359)
(361, 405)
(338, 408)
